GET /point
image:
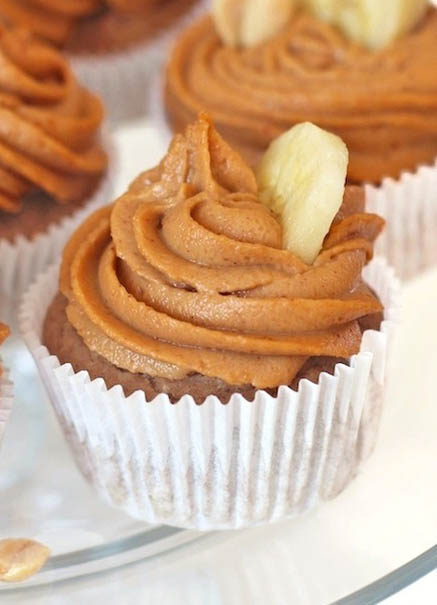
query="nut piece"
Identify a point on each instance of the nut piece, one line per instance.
(301, 177)
(21, 558)
(372, 23)
(247, 23)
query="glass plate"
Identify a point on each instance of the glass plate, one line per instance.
(372, 540)
(44, 496)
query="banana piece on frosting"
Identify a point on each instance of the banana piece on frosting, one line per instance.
(371, 23)
(247, 23)
(301, 177)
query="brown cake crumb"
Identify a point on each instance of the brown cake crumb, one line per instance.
(62, 340)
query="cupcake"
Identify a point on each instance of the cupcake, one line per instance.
(381, 100)
(115, 43)
(5, 388)
(52, 164)
(96, 26)
(189, 293)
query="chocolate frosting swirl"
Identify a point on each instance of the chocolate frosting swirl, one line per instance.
(54, 20)
(51, 19)
(186, 274)
(49, 125)
(383, 104)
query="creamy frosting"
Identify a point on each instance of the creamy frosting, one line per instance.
(185, 273)
(54, 20)
(132, 6)
(383, 104)
(49, 125)
(51, 19)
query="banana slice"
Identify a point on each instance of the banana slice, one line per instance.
(372, 23)
(324, 9)
(247, 23)
(301, 177)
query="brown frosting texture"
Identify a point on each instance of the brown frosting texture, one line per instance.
(122, 24)
(186, 274)
(50, 19)
(383, 104)
(132, 6)
(49, 125)
(65, 22)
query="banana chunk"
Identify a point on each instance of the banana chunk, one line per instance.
(247, 23)
(371, 23)
(301, 177)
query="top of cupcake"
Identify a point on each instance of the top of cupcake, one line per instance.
(55, 20)
(371, 23)
(382, 103)
(49, 127)
(50, 19)
(187, 273)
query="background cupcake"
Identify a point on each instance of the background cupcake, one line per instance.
(52, 163)
(381, 100)
(93, 26)
(115, 45)
(5, 388)
(182, 292)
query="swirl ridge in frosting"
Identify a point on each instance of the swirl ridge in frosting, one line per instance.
(50, 19)
(49, 125)
(65, 22)
(383, 104)
(186, 274)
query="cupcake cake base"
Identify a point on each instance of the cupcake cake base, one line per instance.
(63, 341)
(110, 31)
(37, 214)
(218, 466)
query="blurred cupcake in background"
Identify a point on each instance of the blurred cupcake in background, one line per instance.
(52, 162)
(6, 396)
(363, 71)
(206, 285)
(115, 45)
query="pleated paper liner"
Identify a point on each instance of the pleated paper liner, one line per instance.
(218, 466)
(409, 205)
(123, 79)
(6, 401)
(23, 259)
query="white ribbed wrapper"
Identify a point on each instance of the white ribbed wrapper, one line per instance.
(409, 205)
(218, 466)
(123, 79)
(23, 259)
(6, 401)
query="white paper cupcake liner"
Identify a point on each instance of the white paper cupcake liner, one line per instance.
(218, 466)
(409, 205)
(123, 79)
(6, 401)
(23, 259)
